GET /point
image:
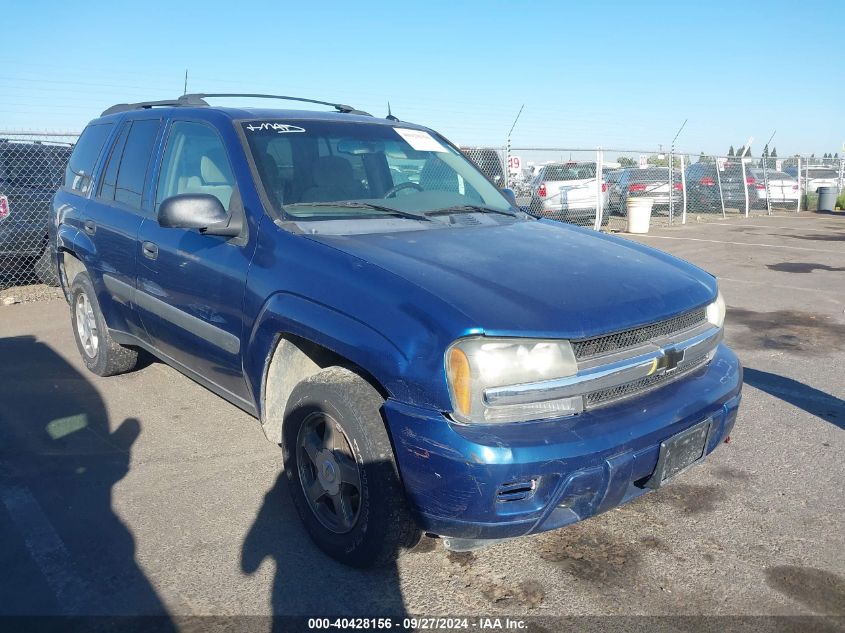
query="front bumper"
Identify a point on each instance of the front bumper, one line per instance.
(502, 481)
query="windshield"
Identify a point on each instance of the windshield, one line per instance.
(570, 171)
(316, 170)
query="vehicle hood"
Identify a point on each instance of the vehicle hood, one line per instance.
(537, 278)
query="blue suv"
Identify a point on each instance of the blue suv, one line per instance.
(430, 358)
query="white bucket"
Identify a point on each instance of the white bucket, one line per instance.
(639, 214)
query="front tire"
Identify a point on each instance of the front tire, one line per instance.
(99, 352)
(341, 472)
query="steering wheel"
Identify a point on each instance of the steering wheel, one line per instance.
(391, 193)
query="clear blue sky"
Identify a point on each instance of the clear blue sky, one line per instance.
(615, 74)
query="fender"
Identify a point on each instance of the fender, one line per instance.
(70, 240)
(287, 313)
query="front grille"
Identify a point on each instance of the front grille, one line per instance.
(598, 345)
(611, 394)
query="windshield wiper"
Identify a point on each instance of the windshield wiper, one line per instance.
(364, 205)
(469, 208)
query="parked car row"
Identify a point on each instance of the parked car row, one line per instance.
(569, 191)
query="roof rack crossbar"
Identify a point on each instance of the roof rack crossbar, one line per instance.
(337, 106)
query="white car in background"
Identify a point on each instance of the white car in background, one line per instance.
(783, 188)
(568, 192)
(820, 176)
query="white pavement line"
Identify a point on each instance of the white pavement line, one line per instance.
(698, 239)
(765, 226)
(45, 547)
(782, 287)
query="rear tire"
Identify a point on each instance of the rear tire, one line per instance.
(332, 427)
(45, 268)
(99, 352)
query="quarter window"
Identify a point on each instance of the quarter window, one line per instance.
(81, 165)
(110, 173)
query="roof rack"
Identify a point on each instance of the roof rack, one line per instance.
(199, 99)
(337, 106)
(184, 100)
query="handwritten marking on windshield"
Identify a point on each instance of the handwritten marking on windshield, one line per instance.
(281, 128)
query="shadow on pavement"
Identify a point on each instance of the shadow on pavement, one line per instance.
(821, 404)
(65, 551)
(306, 582)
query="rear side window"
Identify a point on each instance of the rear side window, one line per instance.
(81, 165)
(136, 159)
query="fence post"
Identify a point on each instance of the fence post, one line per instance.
(671, 179)
(744, 183)
(599, 196)
(683, 191)
(766, 184)
(806, 184)
(719, 181)
(798, 174)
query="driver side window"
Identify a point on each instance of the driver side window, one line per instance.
(195, 161)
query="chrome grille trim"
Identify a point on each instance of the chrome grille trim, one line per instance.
(607, 343)
(604, 397)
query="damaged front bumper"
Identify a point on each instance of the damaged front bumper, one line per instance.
(478, 483)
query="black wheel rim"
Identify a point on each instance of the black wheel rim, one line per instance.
(328, 473)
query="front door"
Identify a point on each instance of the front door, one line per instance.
(190, 285)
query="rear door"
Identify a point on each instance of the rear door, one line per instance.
(191, 285)
(113, 218)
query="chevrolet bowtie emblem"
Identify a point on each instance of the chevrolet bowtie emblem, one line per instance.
(667, 361)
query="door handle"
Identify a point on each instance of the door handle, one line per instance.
(90, 227)
(150, 250)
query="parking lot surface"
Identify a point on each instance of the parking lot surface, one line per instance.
(147, 494)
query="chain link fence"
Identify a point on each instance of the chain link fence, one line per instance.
(592, 188)
(32, 167)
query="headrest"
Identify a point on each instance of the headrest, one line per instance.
(213, 168)
(331, 171)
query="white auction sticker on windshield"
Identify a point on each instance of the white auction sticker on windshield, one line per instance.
(420, 140)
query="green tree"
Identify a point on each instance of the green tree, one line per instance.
(626, 161)
(774, 153)
(731, 151)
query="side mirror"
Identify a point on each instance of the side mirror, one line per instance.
(196, 211)
(509, 195)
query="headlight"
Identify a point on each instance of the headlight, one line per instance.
(716, 311)
(474, 365)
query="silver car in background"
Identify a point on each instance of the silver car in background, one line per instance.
(567, 192)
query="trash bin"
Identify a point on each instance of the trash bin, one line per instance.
(639, 214)
(827, 198)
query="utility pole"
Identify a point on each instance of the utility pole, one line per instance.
(185, 89)
(508, 149)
